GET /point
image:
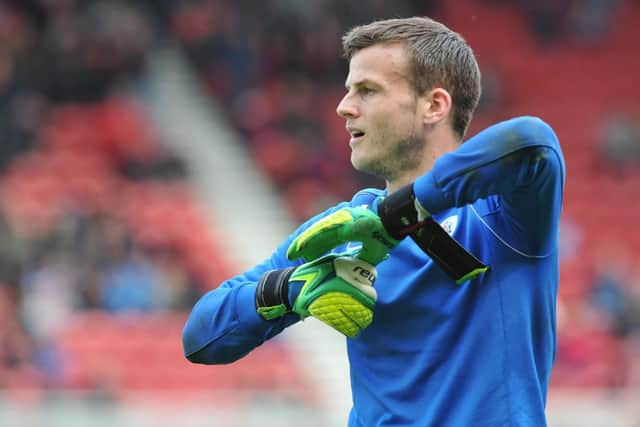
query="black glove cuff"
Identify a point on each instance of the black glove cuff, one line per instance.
(398, 213)
(273, 288)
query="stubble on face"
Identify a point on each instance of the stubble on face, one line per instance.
(403, 155)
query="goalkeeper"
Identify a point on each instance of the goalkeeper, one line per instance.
(425, 349)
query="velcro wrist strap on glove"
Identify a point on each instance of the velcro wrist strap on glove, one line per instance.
(272, 298)
(402, 214)
(399, 213)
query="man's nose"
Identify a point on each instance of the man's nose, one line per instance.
(346, 108)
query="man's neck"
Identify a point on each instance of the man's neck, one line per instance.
(446, 144)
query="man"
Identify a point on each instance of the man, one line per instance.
(424, 349)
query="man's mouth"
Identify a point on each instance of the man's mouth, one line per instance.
(356, 135)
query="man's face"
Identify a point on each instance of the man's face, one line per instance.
(382, 114)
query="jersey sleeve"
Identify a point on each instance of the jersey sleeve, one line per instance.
(224, 325)
(519, 161)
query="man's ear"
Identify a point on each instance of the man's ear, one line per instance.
(438, 105)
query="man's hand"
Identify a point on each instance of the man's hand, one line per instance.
(338, 290)
(345, 225)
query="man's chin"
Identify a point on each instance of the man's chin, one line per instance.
(358, 164)
(368, 167)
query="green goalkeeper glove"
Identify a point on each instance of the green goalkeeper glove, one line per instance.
(338, 290)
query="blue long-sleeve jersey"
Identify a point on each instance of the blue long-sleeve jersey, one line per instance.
(437, 353)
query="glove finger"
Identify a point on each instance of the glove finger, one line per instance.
(321, 237)
(345, 225)
(375, 243)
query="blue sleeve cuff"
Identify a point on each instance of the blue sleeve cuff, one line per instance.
(430, 195)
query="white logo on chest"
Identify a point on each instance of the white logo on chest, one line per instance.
(450, 224)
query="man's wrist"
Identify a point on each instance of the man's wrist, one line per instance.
(272, 293)
(401, 213)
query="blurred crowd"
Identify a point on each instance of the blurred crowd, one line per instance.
(95, 212)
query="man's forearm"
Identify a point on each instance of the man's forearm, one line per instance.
(499, 160)
(224, 325)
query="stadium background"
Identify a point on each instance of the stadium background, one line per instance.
(150, 149)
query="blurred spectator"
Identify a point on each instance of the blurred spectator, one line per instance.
(629, 321)
(547, 18)
(16, 128)
(209, 33)
(620, 142)
(571, 237)
(94, 48)
(586, 20)
(181, 289)
(589, 356)
(132, 283)
(17, 368)
(591, 20)
(492, 95)
(49, 289)
(614, 292)
(608, 293)
(124, 279)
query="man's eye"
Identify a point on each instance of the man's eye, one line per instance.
(367, 91)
